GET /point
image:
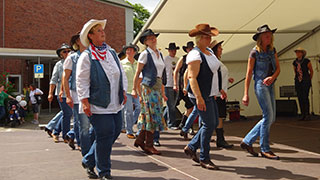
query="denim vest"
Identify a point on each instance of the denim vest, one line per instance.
(204, 77)
(149, 72)
(72, 82)
(262, 63)
(100, 84)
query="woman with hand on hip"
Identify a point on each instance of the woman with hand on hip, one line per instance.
(263, 63)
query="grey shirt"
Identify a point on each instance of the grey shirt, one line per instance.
(56, 77)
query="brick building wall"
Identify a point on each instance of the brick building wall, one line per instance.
(45, 24)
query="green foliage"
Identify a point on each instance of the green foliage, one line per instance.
(140, 17)
(8, 86)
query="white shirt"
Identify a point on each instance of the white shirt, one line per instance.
(213, 64)
(68, 65)
(158, 62)
(170, 63)
(111, 69)
(224, 77)
(31, 95)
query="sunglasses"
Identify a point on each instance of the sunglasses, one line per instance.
(65, 51)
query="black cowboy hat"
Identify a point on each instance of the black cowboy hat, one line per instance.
(190, 44)
(262, 29)
(63, 46)
(172, 46)
(135, 47)
(147, 32)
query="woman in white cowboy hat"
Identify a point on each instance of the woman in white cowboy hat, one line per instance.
(151, 64)
(263, 63)
(303, 76)
(203, 87)
(101, 86)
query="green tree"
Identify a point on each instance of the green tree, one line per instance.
(140, 17)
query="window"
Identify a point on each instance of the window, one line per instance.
(16, 81)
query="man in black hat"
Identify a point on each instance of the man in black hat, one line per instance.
(170, 63)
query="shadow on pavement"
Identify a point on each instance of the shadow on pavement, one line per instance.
(261, 173)
(144, 166)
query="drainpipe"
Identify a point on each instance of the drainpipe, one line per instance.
(3, 26)
(3, 19)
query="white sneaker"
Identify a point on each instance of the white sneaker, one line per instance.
(35, 121)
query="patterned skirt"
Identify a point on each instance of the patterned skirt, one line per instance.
(151, 115)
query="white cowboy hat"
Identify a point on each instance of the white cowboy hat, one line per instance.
(86, 28)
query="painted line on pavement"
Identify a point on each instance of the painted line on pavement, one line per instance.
(161, 162)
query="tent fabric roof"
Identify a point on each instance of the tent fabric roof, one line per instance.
(237, 21)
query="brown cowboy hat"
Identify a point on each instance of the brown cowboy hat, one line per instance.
(262, 29)
(204, 29)
(301, 50)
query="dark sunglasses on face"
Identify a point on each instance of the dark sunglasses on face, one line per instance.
(65, 51)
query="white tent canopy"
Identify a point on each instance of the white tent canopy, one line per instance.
(236, 20)
(297, 23)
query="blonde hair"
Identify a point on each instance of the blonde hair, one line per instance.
(197, 39)
(259, 44)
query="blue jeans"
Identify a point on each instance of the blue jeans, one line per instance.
(86, 134)
(209, 119)
(54, 121)
(130, 116)
(75, 131)
(170, 111)
(156, 136)
(65, 122)
(265, 96)
(107, 128)
(192, 117)
(2, 112)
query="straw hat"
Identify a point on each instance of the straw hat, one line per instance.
(204, 29)
(86, 28)
(215, 43)
(301, 50)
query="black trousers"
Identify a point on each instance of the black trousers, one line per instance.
(302, 89)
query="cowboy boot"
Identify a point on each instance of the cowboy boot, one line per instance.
(140, 140)
(149, 149)
(220, 139)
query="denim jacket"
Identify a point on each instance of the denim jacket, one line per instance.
(74, 57)
(149, 72)
(100, 84)
(262, 64)
(57, 76)
(204, 77)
